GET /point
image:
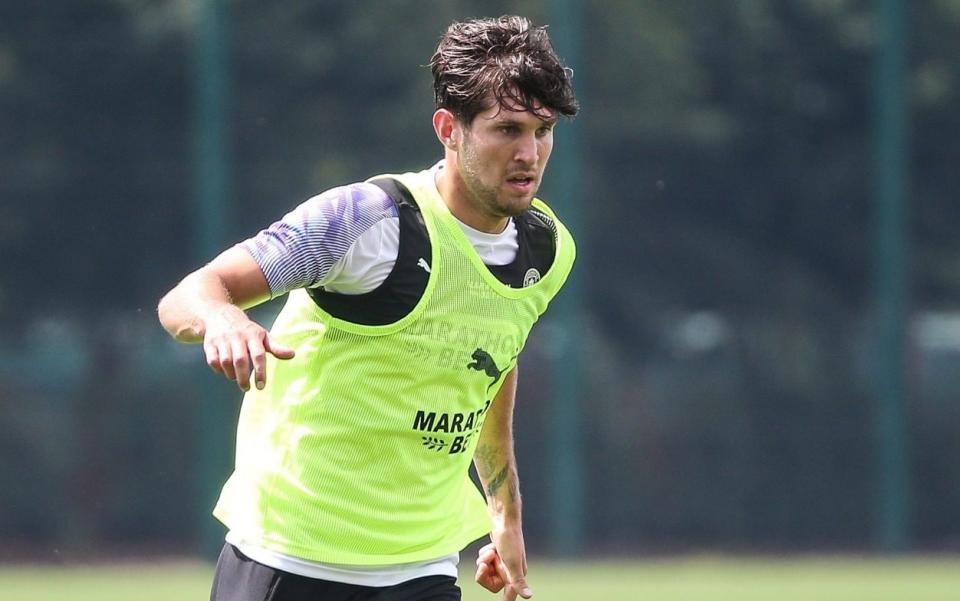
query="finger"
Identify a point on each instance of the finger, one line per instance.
(490, 563)
(226, 360)
(258, 357)
(520, 585)
(494, 585)
(213, 357)
(488, 579)
(241, 364)
(517, 585)
(482, 577)
(487, 556)
(277, 349)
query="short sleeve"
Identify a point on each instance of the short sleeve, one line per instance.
(300, 250)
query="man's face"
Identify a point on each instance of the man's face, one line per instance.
(501, 158)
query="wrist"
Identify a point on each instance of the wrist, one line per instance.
(218, 314)
(213, 317)
(506, 518)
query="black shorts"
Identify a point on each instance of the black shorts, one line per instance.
(239, 578)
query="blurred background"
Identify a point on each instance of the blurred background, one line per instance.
(758, 352)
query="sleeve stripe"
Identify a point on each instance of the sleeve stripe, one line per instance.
(300, 250)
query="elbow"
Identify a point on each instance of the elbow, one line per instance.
(175, 320)
(165, 315)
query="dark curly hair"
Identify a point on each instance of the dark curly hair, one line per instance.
(503, 59)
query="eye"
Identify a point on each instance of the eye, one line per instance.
(508, 129)
(546, 129)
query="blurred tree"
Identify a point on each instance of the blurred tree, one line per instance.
(92, 114)
(727, 157)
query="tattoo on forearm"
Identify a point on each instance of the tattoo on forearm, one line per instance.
(494, 486)
(485, 457)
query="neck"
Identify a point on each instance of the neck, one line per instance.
(460, 201)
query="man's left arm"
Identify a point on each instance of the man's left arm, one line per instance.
(503, 563)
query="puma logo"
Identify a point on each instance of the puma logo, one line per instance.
(423, 263)
(482, 361)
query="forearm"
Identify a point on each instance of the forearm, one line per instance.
(217, 292)
(504, 561)
(199, 297)
(500, 484)
(495, 460)
(207, 306)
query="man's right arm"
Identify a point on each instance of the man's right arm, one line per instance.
(208, 306)
(320, 242)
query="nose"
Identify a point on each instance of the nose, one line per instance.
(527, 151)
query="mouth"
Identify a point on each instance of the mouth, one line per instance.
(521, 182)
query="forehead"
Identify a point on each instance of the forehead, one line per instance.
(510, 110)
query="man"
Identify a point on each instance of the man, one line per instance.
(393, 362)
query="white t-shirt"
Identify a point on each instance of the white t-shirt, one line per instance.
(346, 240)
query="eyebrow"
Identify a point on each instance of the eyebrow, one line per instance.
(509, 121)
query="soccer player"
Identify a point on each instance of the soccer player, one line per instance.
(393, 363)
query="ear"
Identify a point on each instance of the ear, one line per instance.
(445, 126)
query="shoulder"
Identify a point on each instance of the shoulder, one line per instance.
(543, 216)
(547, 234)
(541, 223)
(304, 248)
(539, 220)
(352, 203)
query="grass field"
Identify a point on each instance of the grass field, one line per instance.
(684, 579)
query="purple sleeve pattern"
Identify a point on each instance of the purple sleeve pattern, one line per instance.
(299, 250)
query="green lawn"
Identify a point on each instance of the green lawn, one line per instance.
(682, 579)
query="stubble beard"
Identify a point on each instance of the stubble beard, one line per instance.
(487, 198)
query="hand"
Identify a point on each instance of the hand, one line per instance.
(490, 570)
(233, 343)
(495, 573)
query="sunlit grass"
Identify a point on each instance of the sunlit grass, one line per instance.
(675, 579)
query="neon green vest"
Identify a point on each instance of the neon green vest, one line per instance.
(357, 451)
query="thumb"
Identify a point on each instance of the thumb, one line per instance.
(514, 586)
(278, 350)
(520, 585)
